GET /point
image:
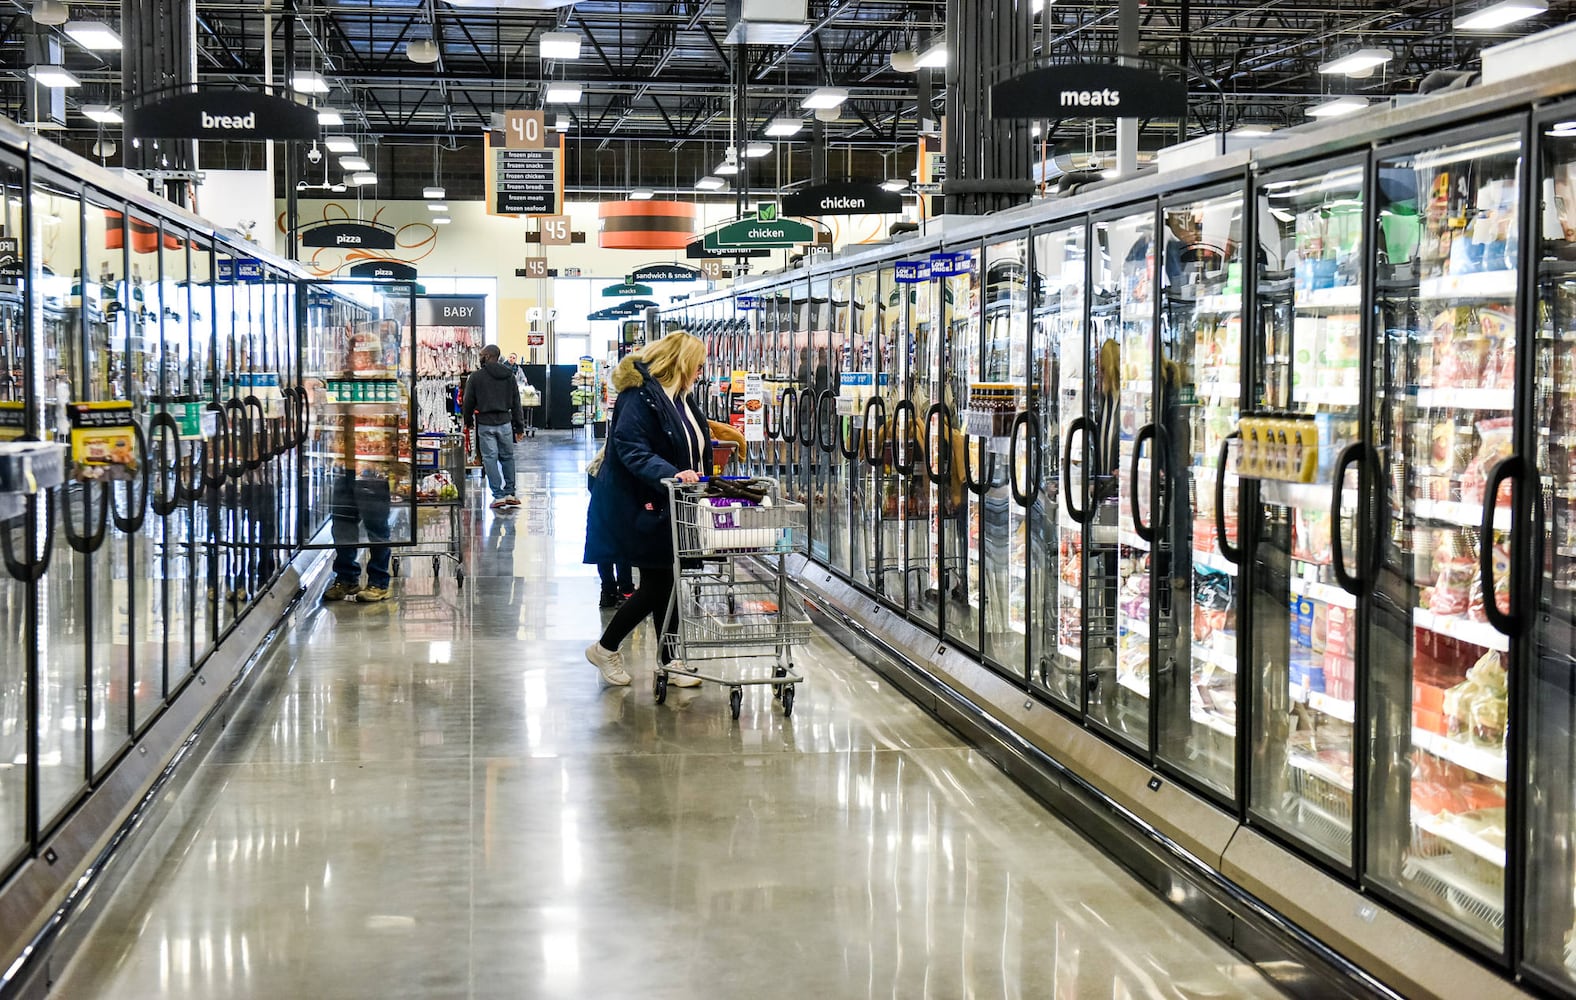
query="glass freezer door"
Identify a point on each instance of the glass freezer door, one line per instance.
(1444, 371)
(844, 413)
(1195, 578)
(867, 354)
(1056, 545)
(1117, 600)
(958, 528)
(16, 375)
(1303, 643)
(1549, 922)
(999, 463)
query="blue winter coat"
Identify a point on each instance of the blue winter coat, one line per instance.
(628, 520)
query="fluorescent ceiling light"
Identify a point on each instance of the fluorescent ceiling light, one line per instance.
(934, 57)
(1562, 130)
(363, 178)
(354, 163)
(94, 35)
(1251, 130)
(894, 184)
(1500, 14)
(784, 127)
(560, 45)
(104, 114)
(50, 12)
(710, 184)
(727, 168)
(562, 93)
(434, 193)
(437, 207)
(441, 220)
(825, 97)
(1035, 130)
(1359, 63)
(328, 116)
(308, 82)
(756, 150)
(53, 76)
(422, 50)
(563, 123)
(641, 194)
(1339, 106)
(339, 144)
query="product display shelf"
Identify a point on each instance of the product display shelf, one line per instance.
(1316, 591)
(1477, 633)
(1463, 891)
(1218, 650)
(1211, 721)
(1467, 515)
(1219, 390)
(1133, 684)
(1226, 302)
(1465, 398)
(1474, 285)
(1481, 760)
(1215, 561)
(1459, 837)
(1339, 297)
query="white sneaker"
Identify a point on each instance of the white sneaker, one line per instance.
(610, 662)
(681, 676)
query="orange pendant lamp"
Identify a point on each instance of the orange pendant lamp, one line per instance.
(646, 225)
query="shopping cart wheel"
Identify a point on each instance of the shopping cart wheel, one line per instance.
(459, 579)
(787, 690)
(735, 701)
(661, 686)
(394, 566)
(437, 566)
(777, 689)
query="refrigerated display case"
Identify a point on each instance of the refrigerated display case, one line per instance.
(970, 465)
(1121, 368)
(843, 419)
(1195, 601)
(867, 353)
(1438, 634)
(1303, 645)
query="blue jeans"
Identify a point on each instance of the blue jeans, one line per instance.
(496, 442)
(360, 510)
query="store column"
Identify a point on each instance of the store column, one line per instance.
(158, 56)
(987, 161)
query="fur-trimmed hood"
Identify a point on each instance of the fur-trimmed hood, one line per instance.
(629, 374)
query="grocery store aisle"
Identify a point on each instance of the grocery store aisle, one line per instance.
(440, 801)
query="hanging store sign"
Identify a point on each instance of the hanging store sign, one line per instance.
(11, 264)
(698, 250)
(624, 310)
(945, 265)
(451, 310)
(525, 174)
(383, 269)
(348, 234)
(911, 272)
(665, 272)
(626, 288)
(222, 114)
(753, 232)
(1088, 90)
(850, 198)
(240, 270)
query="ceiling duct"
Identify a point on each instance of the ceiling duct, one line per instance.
(766, 22)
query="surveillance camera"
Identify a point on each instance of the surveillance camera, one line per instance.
(300, 185)
(314, 155)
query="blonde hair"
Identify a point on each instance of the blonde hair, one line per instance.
(674, 359)
(1110, 367)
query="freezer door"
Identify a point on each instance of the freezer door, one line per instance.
(1549, 922)
(958, 526)
(1444, 370)
(869, 351)
(1196, 579)
(1305, 369)
(16, 372)
(1121, 372)
(1056, 531)
(921, 303)
(845, 416)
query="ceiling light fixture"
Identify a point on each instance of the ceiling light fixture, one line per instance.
(904, 61)
(934, 57)
(103, 147)
(1500, 14)
(727, 168)
(50, 12)
(782, 128)
(95, 36)
(363, 178)
(756, 150)
(563, 123)
(104, 114)
(422, 50)
(825, 97)
(328, 116)
(828, 115)
(641, 194)
(53, 76)
(1359, 63)
(894, 184)
(1338, 106)
(437, 207)
(562, 93)
(339, 144)
(441, 220)
(710, 184)
(559, 45)
(354, 163)
(434, 193)
(308, 82)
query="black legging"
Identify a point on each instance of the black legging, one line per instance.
(650, 598)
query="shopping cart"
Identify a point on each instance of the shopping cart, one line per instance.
(440, 489)
(721, 613)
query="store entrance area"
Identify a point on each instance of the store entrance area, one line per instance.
(433, 796)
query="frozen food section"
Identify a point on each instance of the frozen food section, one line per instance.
(1238, 499)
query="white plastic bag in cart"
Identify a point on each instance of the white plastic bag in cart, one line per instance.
(731, 523)
(437, 486)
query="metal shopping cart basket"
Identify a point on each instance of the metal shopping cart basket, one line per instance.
(440, 494)
(721, 613)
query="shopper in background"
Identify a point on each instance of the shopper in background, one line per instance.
(658, 433)
(359, 514)
(618, 578)
(492, 406)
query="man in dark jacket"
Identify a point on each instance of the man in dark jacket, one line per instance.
(492, 406)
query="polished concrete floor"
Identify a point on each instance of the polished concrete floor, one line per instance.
(440, 800)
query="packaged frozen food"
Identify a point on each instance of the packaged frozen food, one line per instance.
(1494, 444)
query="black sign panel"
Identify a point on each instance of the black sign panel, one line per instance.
(222, 114)
(623, 310)
(696, 250)
(383, 269)
(10, 260)
(850, 198)
(1088, 90)
(527, 181)
(665, 272)
(451, 310)
(348, 234)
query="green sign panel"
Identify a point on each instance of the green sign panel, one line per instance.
(626, 289)
(759, 233)
(766, 211)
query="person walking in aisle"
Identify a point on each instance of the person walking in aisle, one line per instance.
(492, 407)
(618, 579)
(657, 433)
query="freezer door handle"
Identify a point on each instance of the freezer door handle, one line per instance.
(772, 431)
(806, 426)
(823, 427)
(305, 429)
(904, 441)
(1144, 531)
(132, 520)
(90, 541)
(167, 429)
(944, 441)
(32, 566)
(1231, 552)
(875, 432)
(980, 486)
(849, 444)
(219, 464)
(1513, 623)
(789, 430)
(1025, 498)
(238, 442)
(257, 450)
(1349, 456)
(1078, 428)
